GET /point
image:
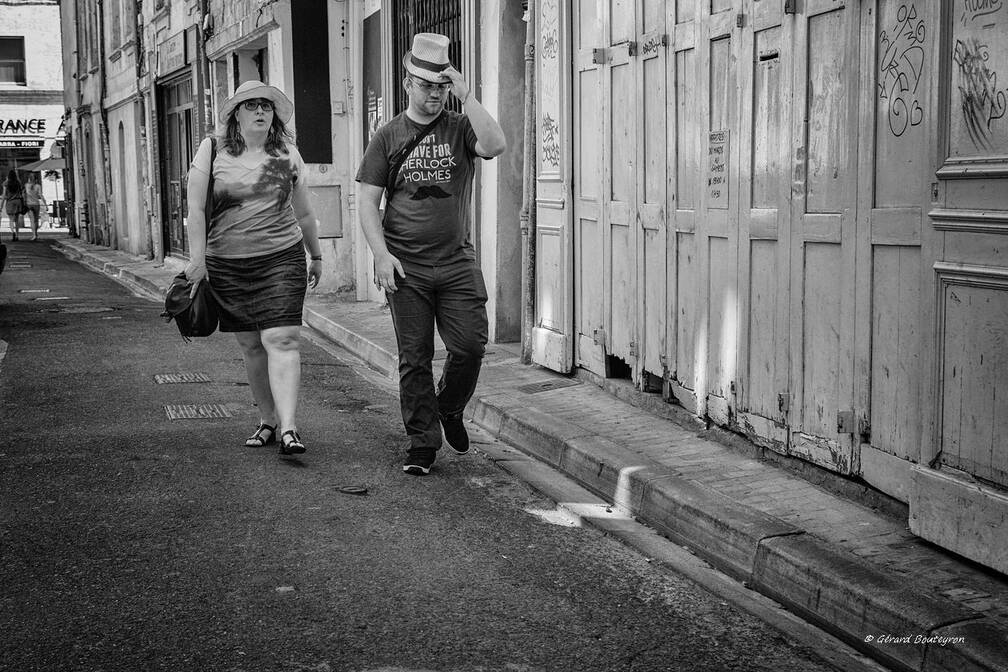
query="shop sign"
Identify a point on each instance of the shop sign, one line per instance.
(29, 144)
(172, 53)
(22, 126)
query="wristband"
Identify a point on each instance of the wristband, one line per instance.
(318, 258)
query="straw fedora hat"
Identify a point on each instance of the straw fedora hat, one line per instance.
(282, 106)
(428, 57)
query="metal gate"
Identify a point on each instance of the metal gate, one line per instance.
(425, 16)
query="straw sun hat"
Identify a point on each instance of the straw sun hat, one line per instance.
(282, 106)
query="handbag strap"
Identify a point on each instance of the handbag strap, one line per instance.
(400, 157)
(208, 203)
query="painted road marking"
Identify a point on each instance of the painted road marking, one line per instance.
(33, 291)
(52, 298)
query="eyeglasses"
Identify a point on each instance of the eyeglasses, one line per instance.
(427, 87)
(253, 105)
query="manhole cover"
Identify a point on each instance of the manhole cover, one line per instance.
(162, 378)
(33, 291)
(196, 411)
(545, 385)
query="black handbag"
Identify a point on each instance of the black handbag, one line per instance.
(197, 316)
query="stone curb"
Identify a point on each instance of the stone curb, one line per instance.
(376, 357)
(833, 588)
(137, 275)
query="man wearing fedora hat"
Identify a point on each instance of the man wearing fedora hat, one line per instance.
(423, 162)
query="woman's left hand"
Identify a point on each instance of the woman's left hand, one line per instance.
(314, 273)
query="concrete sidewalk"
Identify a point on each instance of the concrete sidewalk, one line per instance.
(854, 571)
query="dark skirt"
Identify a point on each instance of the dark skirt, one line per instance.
(257, 293)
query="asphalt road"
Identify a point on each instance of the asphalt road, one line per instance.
(130, 541)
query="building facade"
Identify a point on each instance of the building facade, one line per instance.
(789, 218)
(148, 77)
(31, 87)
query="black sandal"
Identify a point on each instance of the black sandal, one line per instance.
(259, 438)
(290, 443)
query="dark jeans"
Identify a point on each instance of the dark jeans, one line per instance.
(452, 296)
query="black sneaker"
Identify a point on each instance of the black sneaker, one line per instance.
(419, 462)
(455, 433)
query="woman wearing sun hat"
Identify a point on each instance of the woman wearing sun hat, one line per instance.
(261, 225)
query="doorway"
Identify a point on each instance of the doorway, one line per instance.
(179, 143)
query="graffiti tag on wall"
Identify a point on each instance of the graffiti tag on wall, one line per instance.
(983, 102)
(550, 141)
(901, 68)
(979, 90)
(549, 41)
(974, 9)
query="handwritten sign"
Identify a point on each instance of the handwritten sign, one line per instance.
(717, 170)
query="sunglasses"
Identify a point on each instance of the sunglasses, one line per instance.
(427, 87)
(253, 105)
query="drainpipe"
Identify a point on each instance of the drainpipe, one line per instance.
(150, 248)
(527, 217)
(110, 230)
(205, 32)
(73, 119)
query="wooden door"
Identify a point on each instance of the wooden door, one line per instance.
(652, 182)
(823, 207)
(620, 171)
(620, 189)
(684, 200)
(764, 224)
(589, 280)
(893, 197)
(552, 332)
(717, 227)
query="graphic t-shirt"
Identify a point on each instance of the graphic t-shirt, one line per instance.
(427, 208)
(252, 211)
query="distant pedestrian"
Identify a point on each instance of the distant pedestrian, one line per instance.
(13, 202)
(254, 256)
(424, 239)
(33, 200)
